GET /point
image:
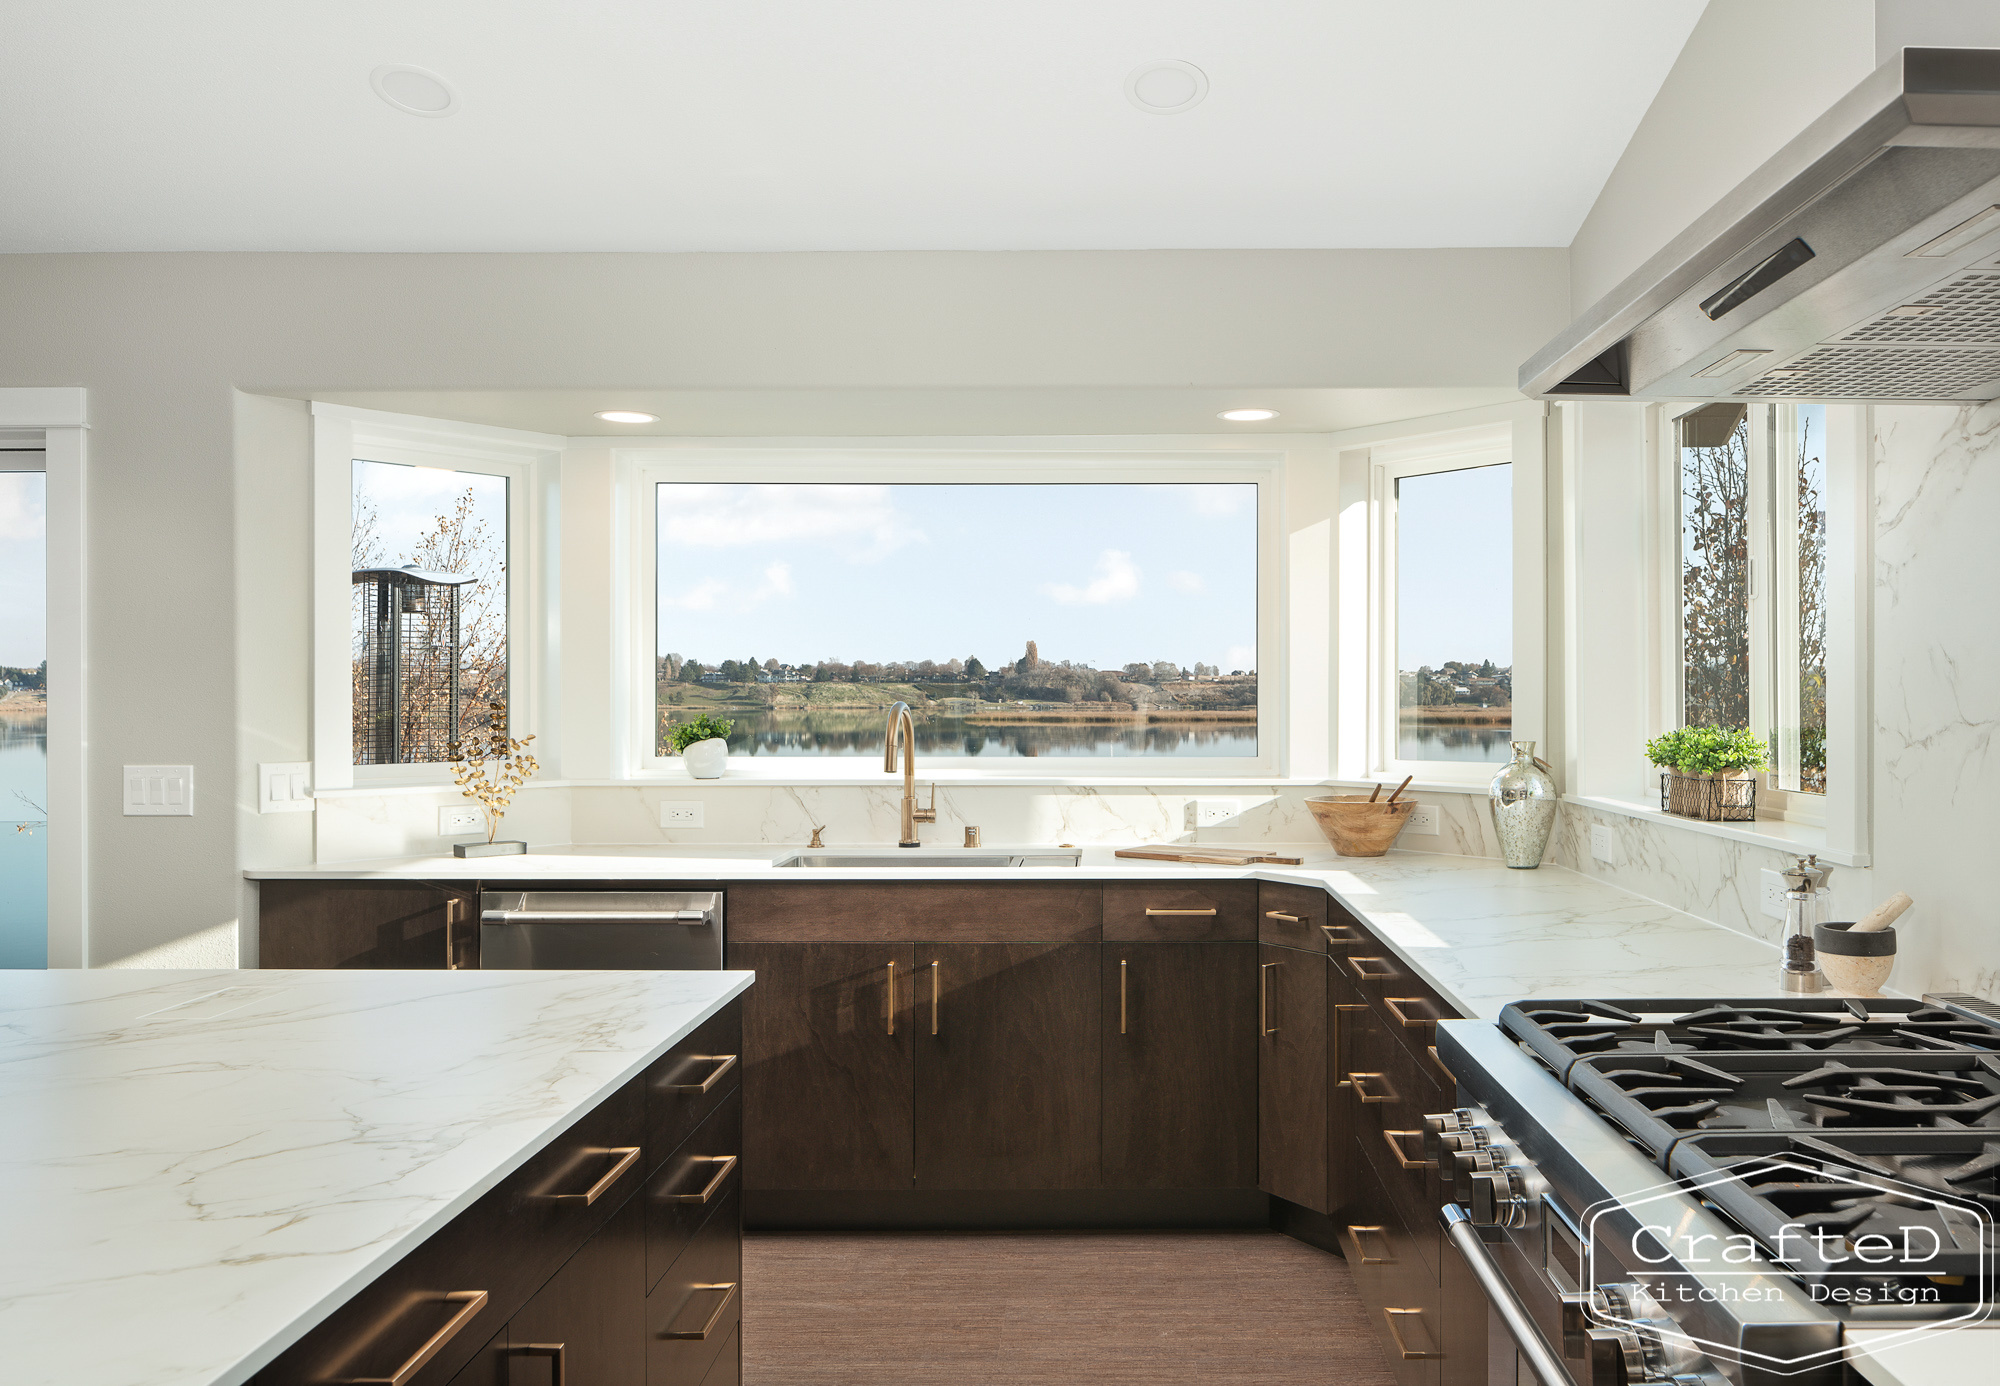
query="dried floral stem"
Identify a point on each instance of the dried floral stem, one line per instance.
(491, 768)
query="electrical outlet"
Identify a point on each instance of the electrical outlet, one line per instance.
(683, 814)
(1422, 822)
(1771, 893)
(1207, 813)
(1600, 843)
(460, 822)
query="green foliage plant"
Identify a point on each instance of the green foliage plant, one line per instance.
(1707, 750)
(702, 728)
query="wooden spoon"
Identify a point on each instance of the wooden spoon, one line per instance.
(1401, 787)
(1377, 790)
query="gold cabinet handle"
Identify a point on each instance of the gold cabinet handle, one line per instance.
(892, 996)
(1122, 968)
(727, 1163)
(1362, 974)
(723, 1063)
(728, 1289)
(1449, 1076)
(1347, 933)
(454, 913)
(1339, 1078)
(553, 1351)
(472, 1301)
(1152, 913)
(1396, 1335)
(1361, 1257)
(1354, 1080)
(934, 997)
(1264, 1025)
(1395, 1142)
(1404, 1019)
(596, 1191)
(1280, 914)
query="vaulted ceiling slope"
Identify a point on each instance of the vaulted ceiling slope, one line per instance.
(665, 125)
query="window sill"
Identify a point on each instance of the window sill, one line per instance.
(1777, 834)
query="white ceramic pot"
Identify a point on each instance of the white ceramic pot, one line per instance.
(706, 760)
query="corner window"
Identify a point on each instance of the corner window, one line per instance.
(1078, 625)
(1799, 605)
(1715, 566)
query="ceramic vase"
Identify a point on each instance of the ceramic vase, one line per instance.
(706, 760)
(1524, 806)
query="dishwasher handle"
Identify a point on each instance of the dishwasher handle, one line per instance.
(1464, 1235)
(596, 917)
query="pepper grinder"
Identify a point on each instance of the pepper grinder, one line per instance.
(1805, 908)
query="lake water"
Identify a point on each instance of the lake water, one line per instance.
(24, 856)
(860, 734)
(1429, 741)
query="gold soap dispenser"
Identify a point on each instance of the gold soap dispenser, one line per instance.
(1805, 908)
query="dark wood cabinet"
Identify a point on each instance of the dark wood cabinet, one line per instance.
(1347, 1025)
(1008, 1066)
(385, 924)
(588, 1323)
(828, 1035)
(1180, 1065)
(1291, 1073)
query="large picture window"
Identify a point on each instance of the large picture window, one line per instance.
(1019, 621)
(1454, 614)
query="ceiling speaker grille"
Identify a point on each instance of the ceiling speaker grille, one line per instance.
(1965, 312)
(1842, 372)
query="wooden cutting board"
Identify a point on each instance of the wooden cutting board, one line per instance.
(1210, 856)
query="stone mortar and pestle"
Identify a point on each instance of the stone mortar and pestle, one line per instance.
(1857, 957)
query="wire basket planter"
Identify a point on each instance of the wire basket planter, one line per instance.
(1724, 797)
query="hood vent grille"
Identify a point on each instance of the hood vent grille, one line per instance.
(1887, 372)
(1965, 312)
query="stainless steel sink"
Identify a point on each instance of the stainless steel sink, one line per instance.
(911, 857)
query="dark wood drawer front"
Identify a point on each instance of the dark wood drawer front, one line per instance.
(413, 924)
(693, 1079)
(693, 1312)
(728, 1368)
(696, 1179)
(1342, 934)
(1398, 1286)
(504, 1247)
(1291, 916)
(1291, 1075)
(981, 912)
(1390, 1096)
(1171, 912)
(1408, 1007)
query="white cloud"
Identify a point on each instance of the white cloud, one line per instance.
(735, 516)
(709, 591)
(1186, 582)
(777, 583)
(702, 598)
(21, 507)
(1241, 657)
(1117, 580)
(1218, 500)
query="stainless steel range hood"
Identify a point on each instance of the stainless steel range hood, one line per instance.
(1861, 262)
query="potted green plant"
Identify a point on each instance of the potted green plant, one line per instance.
(1709, 772)
(702, 744)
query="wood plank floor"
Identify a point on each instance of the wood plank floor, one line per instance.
(916, 1308)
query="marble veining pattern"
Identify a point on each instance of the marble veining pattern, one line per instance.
(201, 1165)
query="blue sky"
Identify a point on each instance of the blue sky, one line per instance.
(23, 569)
(1455, 567)
(1100, 574)
(408, 501)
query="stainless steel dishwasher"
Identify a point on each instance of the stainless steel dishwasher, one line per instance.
(625, 929)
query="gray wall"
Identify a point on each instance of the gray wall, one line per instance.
(198, 520)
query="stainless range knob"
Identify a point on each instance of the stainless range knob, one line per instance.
(1499, 1197)
(1634, 1347)
(1459, 1119)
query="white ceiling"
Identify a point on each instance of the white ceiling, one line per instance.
(805, 125)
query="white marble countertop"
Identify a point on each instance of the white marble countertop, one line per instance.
(1480, 933)
(200, 1166)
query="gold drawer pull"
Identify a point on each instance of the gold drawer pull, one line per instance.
(473, 1300)
(1347, 934)
(596, 1191)
(722, 1306)
(454, 913)
(1408, 1022)
(1396, 1335)
(934, 997)
(1449, 1076)
(1280, 914)
(723, 1063)
(728, 1162)
(1354, 1081)
(1361, 973)
(1122, 969)
(1202, 914)
(553, 1351)
(1395, 1141)
(1338, 1080)
(1264, 1025)
(892, 997)
(1361, 1258)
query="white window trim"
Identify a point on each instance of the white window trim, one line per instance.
(1513, 434)
(530, 462)
(639, 469)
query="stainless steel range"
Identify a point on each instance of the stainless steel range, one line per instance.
(1698, 1191)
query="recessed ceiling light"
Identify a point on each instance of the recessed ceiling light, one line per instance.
(1166, 88)
(626, 416)
(413, 91)
(1247, 415)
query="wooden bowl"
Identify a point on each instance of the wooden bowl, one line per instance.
(1357, 828)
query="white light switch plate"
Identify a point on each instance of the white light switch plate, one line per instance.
(1771, 894)
(1206, 813)
(1600, 843)
(284, 786)
(159, 791)
(681, 814)
(1422, 822)
(457, 821)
